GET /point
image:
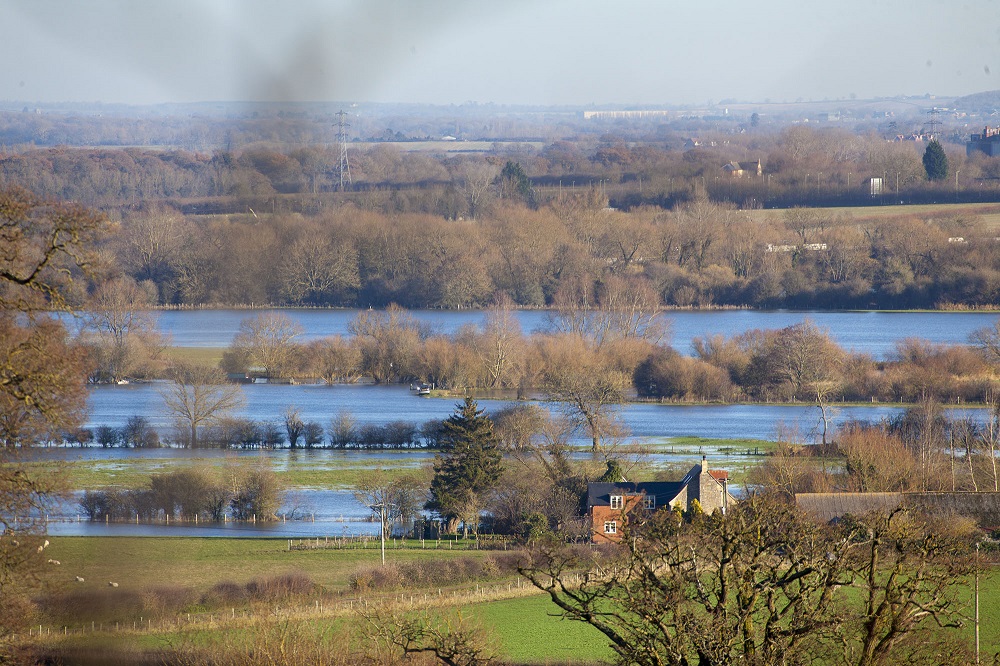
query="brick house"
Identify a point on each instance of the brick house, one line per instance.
(608, 504)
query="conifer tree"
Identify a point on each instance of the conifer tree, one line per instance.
(935, 161)
(468, 467)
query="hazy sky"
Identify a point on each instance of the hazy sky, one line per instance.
(504, 51)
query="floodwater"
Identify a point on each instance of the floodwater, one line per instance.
(332, 513)
(875, 333)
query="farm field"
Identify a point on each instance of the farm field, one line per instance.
(524, 626)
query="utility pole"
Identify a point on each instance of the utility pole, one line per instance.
(381, 507)
(977, 603)
(345, 165)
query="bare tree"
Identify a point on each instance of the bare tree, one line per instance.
(475, 180)
(263, 342)
(453, 641)
(151, 242)
(588, 388)
(45, 248)
(763, 584)
(315, 270)
(388, 342)
(335, 359)
(393, 498)
(294, 426)
(127, 339)
(199, 396)
(500, 344)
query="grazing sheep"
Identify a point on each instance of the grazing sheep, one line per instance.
(54, 562)
(112, 584)
(79, 579)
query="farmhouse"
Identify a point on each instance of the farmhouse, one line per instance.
(609, 504)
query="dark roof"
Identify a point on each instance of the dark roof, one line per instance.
(984, 508)
(598, 494)
(827, 507)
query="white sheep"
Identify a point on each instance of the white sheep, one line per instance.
(112, 584)
(79, 579)
(57, 562)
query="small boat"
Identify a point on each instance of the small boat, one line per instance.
(423, 389)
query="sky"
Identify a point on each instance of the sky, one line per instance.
(539, 52)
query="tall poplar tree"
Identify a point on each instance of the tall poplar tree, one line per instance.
(468, 467)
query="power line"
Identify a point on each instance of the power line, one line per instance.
(345, 165)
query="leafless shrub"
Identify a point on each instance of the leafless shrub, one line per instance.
(286, 585)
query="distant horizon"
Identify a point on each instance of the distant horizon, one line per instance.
(447, 52)
(724, 102)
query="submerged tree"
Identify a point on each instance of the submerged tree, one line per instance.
(199, 396)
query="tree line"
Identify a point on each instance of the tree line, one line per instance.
(698, 254)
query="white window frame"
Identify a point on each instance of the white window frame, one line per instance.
(611, 527)
(649, 502)
(617, 501)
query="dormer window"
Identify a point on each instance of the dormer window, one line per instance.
(617, 501)
(649, 502)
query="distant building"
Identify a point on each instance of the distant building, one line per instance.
(630, 114)
(874, 186)
(740, 169)
(988, 142)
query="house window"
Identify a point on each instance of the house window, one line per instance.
(617, 501)
(611, 527)
(649, 502)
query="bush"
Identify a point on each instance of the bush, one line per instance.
(280, 587)
(435, 572)
(225, 593)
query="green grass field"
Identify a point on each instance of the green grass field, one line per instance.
(526, 629)
(209, 356)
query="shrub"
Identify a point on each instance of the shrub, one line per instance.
(225, 593)
(280, 587)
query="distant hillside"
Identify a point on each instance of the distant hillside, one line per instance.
(983, 102)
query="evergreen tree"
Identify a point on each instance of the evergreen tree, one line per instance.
(515, 184)
(468, 467)
(935, 161)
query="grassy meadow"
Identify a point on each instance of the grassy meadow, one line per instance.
(524, 626)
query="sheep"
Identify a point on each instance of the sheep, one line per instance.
(56, 562)
(79, 579)
(110, 584)
(43, 546)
